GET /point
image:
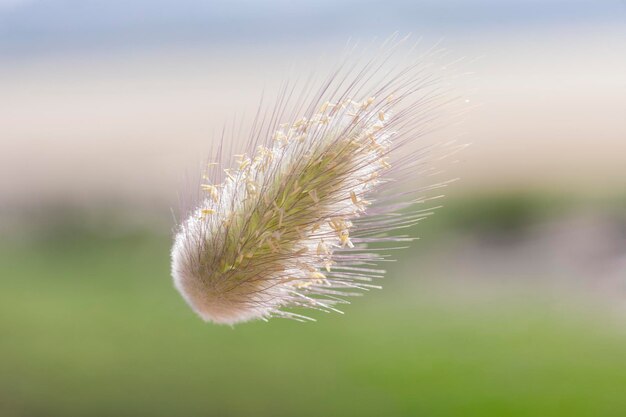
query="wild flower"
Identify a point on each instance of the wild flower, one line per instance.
(293, 222)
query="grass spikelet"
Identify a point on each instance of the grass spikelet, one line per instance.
(289, 224)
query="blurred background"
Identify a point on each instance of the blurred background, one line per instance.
(511, 304)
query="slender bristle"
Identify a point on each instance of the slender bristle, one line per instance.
(289, 224)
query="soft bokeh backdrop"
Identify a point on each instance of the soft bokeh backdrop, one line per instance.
(512, 303)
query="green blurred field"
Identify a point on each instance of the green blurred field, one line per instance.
(91, 326)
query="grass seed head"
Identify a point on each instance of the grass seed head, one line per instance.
(289, 225)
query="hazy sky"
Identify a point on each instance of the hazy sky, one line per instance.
(30, 27)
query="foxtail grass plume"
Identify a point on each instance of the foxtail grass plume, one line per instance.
(298, 221)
